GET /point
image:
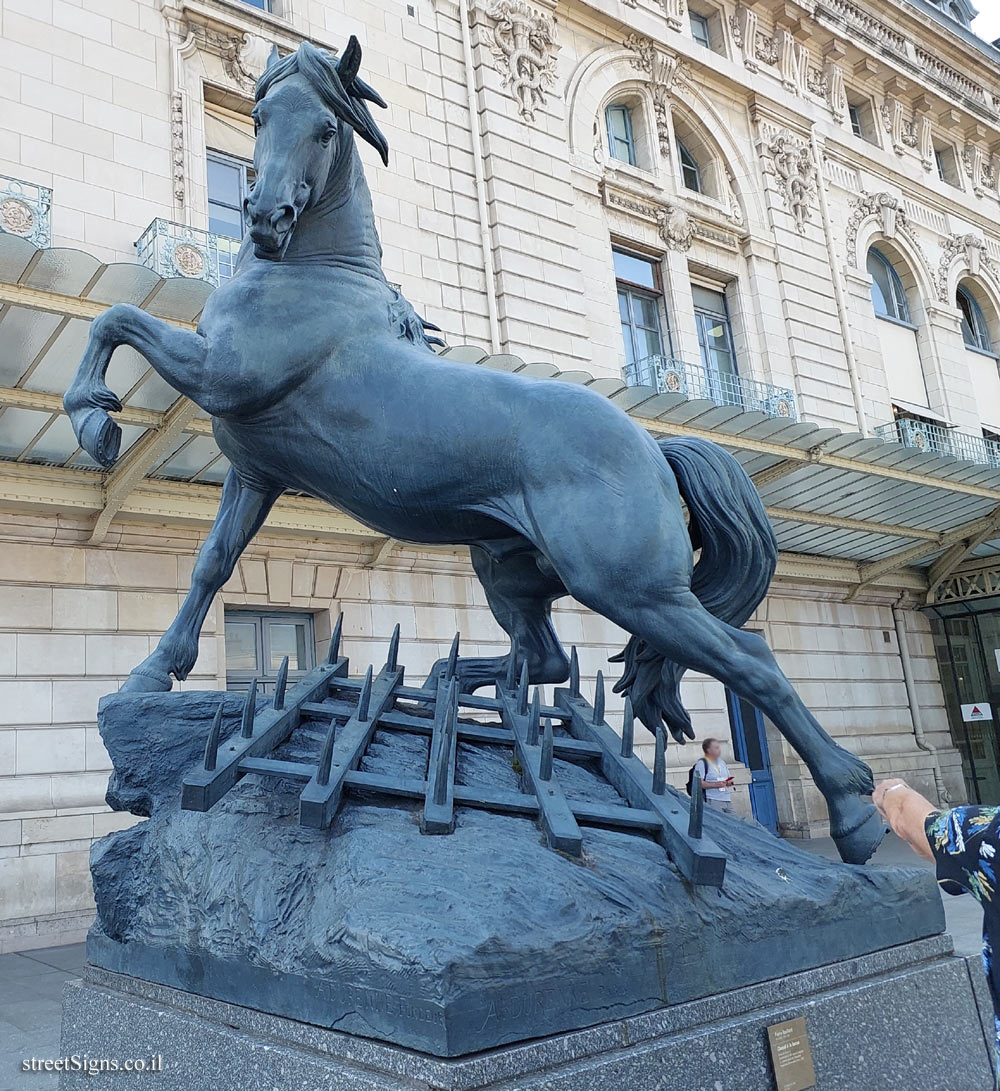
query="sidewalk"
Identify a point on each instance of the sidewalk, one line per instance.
(31, 982)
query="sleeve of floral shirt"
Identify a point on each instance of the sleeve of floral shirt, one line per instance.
(965, 843)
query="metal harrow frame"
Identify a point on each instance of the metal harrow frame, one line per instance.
(354, 709)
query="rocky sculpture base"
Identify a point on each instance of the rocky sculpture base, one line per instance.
(447, 944)
(903, 1018)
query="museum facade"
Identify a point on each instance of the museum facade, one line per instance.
(771, 224)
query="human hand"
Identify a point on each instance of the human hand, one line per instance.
(883, 789)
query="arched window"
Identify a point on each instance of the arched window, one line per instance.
(888, 297)
(975, 332)
(621, 141)
(690, 170)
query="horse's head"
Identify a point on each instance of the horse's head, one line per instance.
(304, 102)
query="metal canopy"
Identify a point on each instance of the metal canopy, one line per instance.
(830, 494)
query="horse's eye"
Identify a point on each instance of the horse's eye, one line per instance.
(328, 135)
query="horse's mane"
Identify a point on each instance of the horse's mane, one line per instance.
(337, 84)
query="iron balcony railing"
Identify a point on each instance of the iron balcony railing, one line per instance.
(695, 381)
(174, 250)
(26, 211)
(936, 439)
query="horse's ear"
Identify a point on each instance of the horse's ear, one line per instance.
(273, 57)
(350, 63)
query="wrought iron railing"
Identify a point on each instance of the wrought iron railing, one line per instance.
(174, 250)
(936, 439)
(695, 381)
(26, 211)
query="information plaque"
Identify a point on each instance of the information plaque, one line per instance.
(791, 1056)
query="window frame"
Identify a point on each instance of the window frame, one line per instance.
(245, 168)
(976, 321)
(702, 317)
(692, 164)
(702, 21)
(632, 289)
(263, 620)
(861, 117)
(629, 140)
(901, 314)
(260, 5)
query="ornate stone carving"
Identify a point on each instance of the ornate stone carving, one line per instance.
(794, 62)
(662, 71)
(178, 173)
(836, 90)
(926, 143)
(903, 133)
(765, 48)
(972, 247)
(523, 43)
(245, 58)
(789, 159)
(676, 227)
(674, 11)
(894, 220)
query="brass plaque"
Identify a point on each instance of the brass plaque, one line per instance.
(791, 1056)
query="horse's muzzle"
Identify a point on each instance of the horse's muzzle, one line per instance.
(271, 233)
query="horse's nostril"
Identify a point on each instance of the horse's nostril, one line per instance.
(283, 218)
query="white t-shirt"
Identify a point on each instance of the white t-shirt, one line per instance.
(715, 770)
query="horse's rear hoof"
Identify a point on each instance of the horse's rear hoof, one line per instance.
(99, 436)
(859, 843)
(146, 682)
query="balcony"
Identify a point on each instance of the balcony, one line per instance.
(936, 439)
(696, 382)
(173, 250)
(26, 211)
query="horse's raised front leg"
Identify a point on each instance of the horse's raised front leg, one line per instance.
(178, 355)
(241, 514)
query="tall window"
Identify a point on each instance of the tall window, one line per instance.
(862, 119)
(700, 30)
(888, 297)
(975, 332)
(229, 182)
(690, 171)
(256, 644)
(621, 141)
(640, 305)
(715, 331)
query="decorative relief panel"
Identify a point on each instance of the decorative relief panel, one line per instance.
(522, 40)
(894, 221)
(676, 227)
(973, 249)
(789, 159)
(662, 70)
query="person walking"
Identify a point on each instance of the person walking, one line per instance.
(964, 844)
(715, 777)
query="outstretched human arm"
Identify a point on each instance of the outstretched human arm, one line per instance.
(906, 811)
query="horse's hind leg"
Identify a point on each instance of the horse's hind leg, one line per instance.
(520, 595)
(241, 514)
(178, 355)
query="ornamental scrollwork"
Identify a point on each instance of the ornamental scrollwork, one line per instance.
(789, 159)
(662, 71)
(676, 227)
(523, 43)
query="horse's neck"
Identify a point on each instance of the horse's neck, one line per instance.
(340, 227)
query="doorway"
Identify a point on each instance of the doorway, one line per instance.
(750, 747)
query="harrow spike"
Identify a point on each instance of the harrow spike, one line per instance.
(280, 684)
(574, 673)
(451, 670)
(338, 630)
(365, 697)
(660, 762)
(249, 711)
(599, 698)
(535, 718)
(326, 755)
(696, 814)
(545, 760)
(628, 730)
(522, 691)
(393, 656)
(212, 745)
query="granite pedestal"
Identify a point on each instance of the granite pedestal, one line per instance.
(907, 1017)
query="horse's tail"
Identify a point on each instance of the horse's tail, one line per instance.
(738, 557)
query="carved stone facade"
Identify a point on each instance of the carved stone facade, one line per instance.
(789, 159)
(522, 40)
(661, 69)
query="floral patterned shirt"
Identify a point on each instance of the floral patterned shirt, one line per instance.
(966, 844)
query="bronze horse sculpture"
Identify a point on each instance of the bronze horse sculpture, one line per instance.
(319, 376)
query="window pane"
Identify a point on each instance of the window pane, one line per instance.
(706, 299)
(224, 183)
(887, 293)
(652, 344)
(241, 646)
(634, 270)
(623, 307)
(646, 313)
(699, 30)
(287, 639)
(618, 122)
(629, 344)
(225, 221)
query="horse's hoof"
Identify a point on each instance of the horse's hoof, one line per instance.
(99, 436)
(146, 682)
(859, 844)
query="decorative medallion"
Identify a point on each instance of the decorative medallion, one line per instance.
(189, 261)
(17, 217)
